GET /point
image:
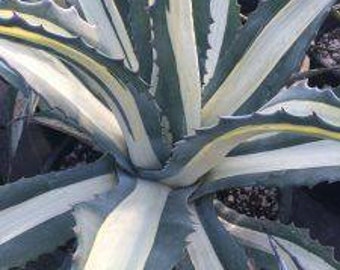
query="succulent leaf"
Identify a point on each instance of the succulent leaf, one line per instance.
(303, 165)
(89, 216)
(302, 100)
(165, 217)
(230, 254)
(26, 188)
(98, 78)
(65, 126)
(174, 229)
(226, 23)
(229, 93)
(295, 243)
(132, 102)
(44, 11)
(270, 142)
(114, 40)
(20, 104)
(202, 22)
(179, 89)
(129, 235)
(201, 252)
(290, 160)
(35, 213)
(198, 154)
(45, 74)
(140, 22)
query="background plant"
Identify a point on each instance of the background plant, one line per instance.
(180, 96)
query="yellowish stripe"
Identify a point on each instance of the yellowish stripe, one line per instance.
(213, 153)
(139, 144)
(86, 62)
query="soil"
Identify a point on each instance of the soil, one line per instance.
(327, 50)
(256, 202)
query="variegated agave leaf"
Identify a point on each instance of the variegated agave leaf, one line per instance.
(19, 105)
(131, 76)
(36, 212)
(288, 246)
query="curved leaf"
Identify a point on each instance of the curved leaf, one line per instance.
(198, 154)
(302, 100)
(62, 126)
(293, 245)
(281, 159)
(136, 112)
(68, 19)
(64, 93)
(299, 100)
(113, 36)
(303, 165)
(20, 105)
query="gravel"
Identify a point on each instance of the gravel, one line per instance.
(259, 202)
(326, 49)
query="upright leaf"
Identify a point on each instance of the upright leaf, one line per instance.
(126, 237)
(226, 23)
(140, 22)
(292, 32)
(178, 90)
(202, 22)
(230, 253)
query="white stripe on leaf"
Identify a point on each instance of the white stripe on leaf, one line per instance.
(22, 217)
(113, 36)
(260, 241)
(181, 30)
(219, 14)
(56, 84)
(201, 251)
(126, 237)
(310, 155)
(287, 26)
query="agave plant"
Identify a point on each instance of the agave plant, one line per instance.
(184, 101)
